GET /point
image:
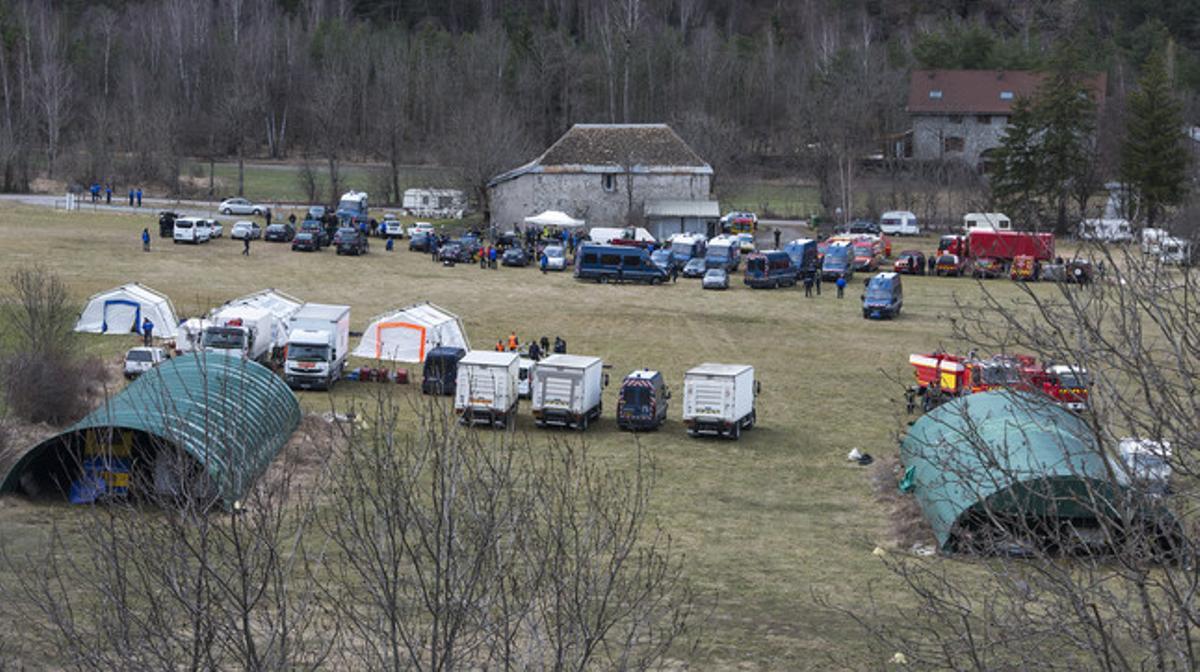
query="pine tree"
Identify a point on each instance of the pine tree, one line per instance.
(1154, 160)
(1017, 172)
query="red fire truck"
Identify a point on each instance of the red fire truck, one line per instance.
(940, 377)
(1003, 246)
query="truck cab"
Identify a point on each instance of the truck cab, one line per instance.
(884, 296)
(352, 207)
(318, 343)
(440, 374)
(226, 339)
(642, 401)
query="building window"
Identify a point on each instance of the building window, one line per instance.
(1006, 95)
(935, 94)
(610, 182)
(956, 118)
(983, 119)
(952, 144)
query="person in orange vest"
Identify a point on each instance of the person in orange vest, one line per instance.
(512, 341)
(499, 345)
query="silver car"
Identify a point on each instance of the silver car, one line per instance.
(241, 206)
(715, 278)
(245, 229)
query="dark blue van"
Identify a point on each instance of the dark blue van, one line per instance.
(803, 252)
(770, 270)
(838, 262)
(617, 263)
(440, 375)
(884, 296)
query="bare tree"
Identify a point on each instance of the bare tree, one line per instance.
(484, 139)
(1107, 572)
(52, 82)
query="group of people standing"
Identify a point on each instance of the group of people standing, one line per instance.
(537, 349)
(135, 194)
(812, 280)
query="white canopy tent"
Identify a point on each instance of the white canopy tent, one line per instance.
(121, 310)
(406, 335)
(555, 218)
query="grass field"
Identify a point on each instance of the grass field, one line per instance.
(279, 182)
(764, 522)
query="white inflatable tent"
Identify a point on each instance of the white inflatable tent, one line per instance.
(555, 218)
(281, 305)
(406, 335)
(121, 310)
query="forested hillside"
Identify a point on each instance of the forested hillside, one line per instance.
(123, 91)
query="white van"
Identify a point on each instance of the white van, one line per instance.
(192, 230)
(1106, 230)
(986, 221)
(1152, 240)
(899, 223)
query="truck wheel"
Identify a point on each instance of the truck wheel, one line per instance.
(583, 424)
(753, 420)
(602, 280)
(692, 433)
(736, 432)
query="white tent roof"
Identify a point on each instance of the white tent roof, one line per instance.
(121, 310)
(405, 335)
(281, 305)
(554, 218)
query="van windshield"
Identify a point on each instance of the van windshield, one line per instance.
(719, 253)
(308, 353)
(139, 356)
(350, 205)
(879, 293)
(682, 250)
(222, 339)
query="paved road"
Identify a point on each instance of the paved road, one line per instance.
(150, 206)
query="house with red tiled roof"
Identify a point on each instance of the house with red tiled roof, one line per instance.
(963, 114)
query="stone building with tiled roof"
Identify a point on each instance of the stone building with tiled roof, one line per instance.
(604, 174)
(963, 114)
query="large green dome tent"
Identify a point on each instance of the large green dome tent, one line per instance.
(230, 416)
(984, 459)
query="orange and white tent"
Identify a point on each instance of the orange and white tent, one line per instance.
(405, 335)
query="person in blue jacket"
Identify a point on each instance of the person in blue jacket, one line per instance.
(145, 240)
(543, 261)
(147, 330)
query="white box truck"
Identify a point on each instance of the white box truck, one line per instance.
(317, 347)
(718, 399)
(248, 331)
(486, 388)
(566, 391)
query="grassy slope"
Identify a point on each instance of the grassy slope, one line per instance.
(764, 521)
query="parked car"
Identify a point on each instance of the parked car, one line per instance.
(306, 241)
(910, 262)
(556, 258)
(514, 256)
(280, 232)
(139, 360)
(863, 226)
(245, 229)
(866, 255)
(350, 240)
(986, 267)
(949, 264)
(215, 228)
(745, 242)
(317, 229)
(457, 252)
(392, 227)
(166, 223)
(694, 268)
(420, 242)
(663, 259)
(715, 278)
(191, 230)
(884, 296)
(419, 227)
(241, 206)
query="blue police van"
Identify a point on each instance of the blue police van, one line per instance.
(803, 252)
(617, 263)
(770, 270)
(884, 296)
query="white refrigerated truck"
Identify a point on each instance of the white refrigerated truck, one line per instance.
(318, 343)
(486, 388)
(719, 399)
(248, 331)
(566, 391)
